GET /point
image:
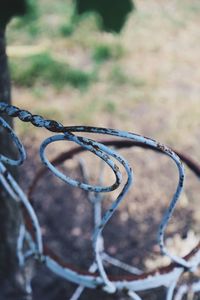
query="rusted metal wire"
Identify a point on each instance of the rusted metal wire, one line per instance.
(30, 230)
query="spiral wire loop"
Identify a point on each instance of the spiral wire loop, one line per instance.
(30, 231)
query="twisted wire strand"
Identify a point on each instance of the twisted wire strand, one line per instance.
(55, 126)
(163, 276)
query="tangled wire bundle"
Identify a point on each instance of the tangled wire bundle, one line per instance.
(96, 276)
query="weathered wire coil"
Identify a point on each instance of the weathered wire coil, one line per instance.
(31, 232)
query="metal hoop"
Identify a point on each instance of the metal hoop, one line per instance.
(85, 143)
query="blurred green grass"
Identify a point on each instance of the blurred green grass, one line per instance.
(103, 52)
(145, 79)
(43, 68)
(44, 21)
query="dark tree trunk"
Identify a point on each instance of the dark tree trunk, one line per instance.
(10, 216)
(9, 210)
